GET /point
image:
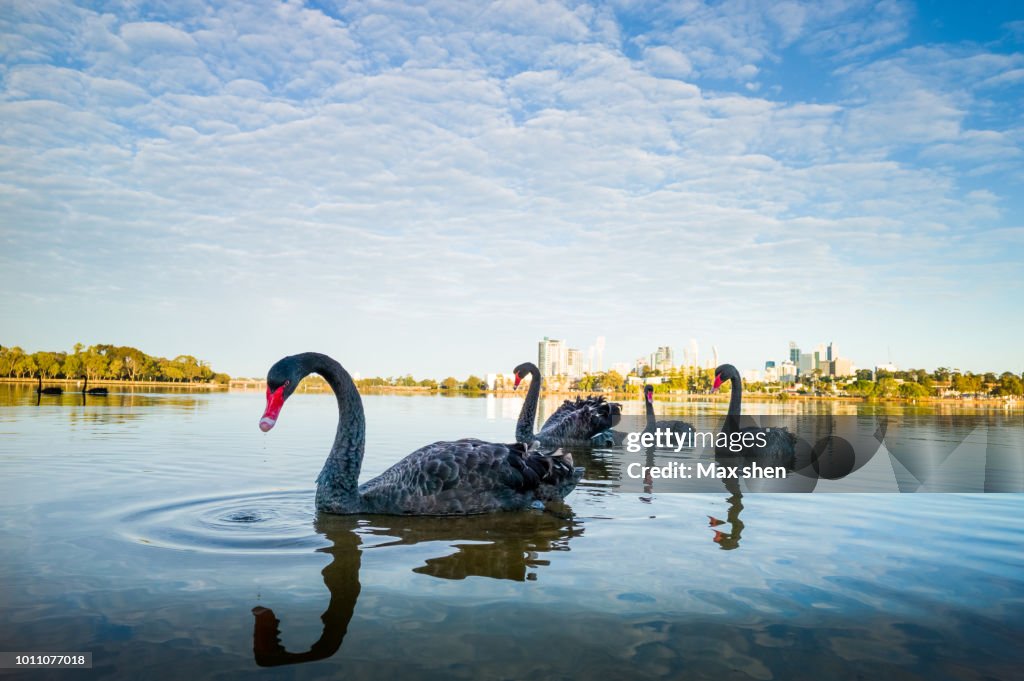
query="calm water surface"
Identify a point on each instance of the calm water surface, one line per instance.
(167, 535)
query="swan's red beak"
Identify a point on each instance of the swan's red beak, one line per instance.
(275, 400)
(718, 382)
(649, 394)
(519, 378)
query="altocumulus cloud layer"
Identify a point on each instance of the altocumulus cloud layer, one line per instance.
(432, 186)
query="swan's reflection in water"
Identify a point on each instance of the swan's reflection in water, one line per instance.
(497, 545)
(729, 540)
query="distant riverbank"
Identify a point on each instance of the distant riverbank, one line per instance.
(93, 382)
(321, 387)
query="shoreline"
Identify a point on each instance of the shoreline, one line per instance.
(242, 385)
(114, 382)
(260, 386)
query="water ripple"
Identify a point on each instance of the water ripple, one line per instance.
(259, 522)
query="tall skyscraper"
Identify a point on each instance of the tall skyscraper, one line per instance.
(794, 352)
(820, 356)
(574, 363)
(833, 351)
(662, 359)
(551, 357)
(806, 364)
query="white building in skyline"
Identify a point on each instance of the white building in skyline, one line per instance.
(574, 363)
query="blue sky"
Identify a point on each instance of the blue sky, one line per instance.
(430, 187)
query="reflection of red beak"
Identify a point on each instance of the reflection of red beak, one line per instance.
(718, 382)
(275, 400)
(718, 537)
(714, 522)
(516, 385)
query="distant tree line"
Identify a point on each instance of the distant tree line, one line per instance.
(921, 383)
(106, 362)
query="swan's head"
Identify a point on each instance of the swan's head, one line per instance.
(521, 372)
(282, 379)
(649, 392)
(725, 372)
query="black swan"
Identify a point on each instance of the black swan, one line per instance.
(444, 478)
(51, 390)
(779, 443)
(577, 421)
(92, 391)
(681, 427)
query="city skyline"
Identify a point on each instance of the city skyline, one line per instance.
(430, 189)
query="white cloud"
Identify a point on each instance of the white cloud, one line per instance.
(151, 36)
(664, 61)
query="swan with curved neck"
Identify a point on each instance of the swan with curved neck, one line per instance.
(49, 390)
(91, 391)
(444, 478)
(579, 421)
(780, 444)
(653, 424)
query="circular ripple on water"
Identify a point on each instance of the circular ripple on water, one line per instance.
(260, 522)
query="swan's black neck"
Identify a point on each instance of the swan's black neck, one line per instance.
(732, 420)
(337, 486)
(524, 428)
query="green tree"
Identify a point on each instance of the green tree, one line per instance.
(910, 389)
(612, 379)
(861, 388)
(475, 383)
(25, 365)
(886, 387)
(94, 363)
(48, 363)
(73, 366)
(450, 383)
(1009, 385)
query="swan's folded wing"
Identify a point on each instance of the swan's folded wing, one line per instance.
(464, 476)
(579, 420)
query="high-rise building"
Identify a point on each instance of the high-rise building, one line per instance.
(843, 367)
(807, 364)
(787, 372)
(770, 364)
(833, 351)
(794, 352)
(551, 357)
(662, 359)
(542, 356)
(820, 357)
(574, 363)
